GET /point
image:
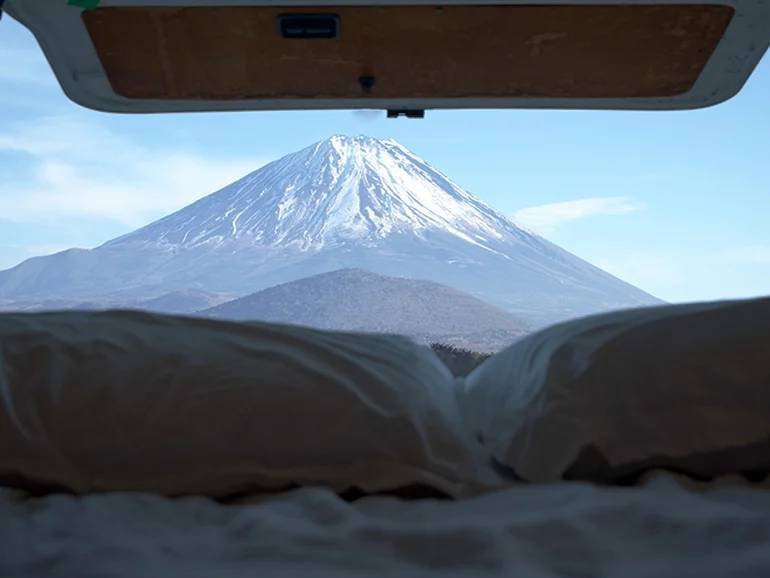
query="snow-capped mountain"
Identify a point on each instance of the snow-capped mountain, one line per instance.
(343, 202)
(339, 189)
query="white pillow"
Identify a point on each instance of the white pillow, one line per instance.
(174, 405)
(683, 387)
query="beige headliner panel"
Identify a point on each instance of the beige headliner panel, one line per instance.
(567, 51)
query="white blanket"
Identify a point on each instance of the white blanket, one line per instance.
(560, 530)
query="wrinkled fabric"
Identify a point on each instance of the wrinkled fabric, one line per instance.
(686, 387)
(550, 531)
(174, 405)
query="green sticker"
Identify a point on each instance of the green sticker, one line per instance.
(84, 4)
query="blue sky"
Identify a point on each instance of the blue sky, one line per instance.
(677, 203)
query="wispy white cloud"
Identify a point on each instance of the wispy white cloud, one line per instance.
(549, 217)
(85, 170)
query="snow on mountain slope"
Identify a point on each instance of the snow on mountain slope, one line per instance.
(344, 202)
(338, 189)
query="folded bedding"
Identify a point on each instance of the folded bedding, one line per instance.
(107, 401)
(607, 397)
(131, 401)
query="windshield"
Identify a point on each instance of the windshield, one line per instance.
(466, 229)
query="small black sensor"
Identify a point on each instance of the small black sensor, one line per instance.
(408, 113)
(308, 26)
(367, 83)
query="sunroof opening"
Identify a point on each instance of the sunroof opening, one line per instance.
(563, 51)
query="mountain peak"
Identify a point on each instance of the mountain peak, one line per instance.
(358, 140)
(347, 145)
(353, 139)
(341, 188)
